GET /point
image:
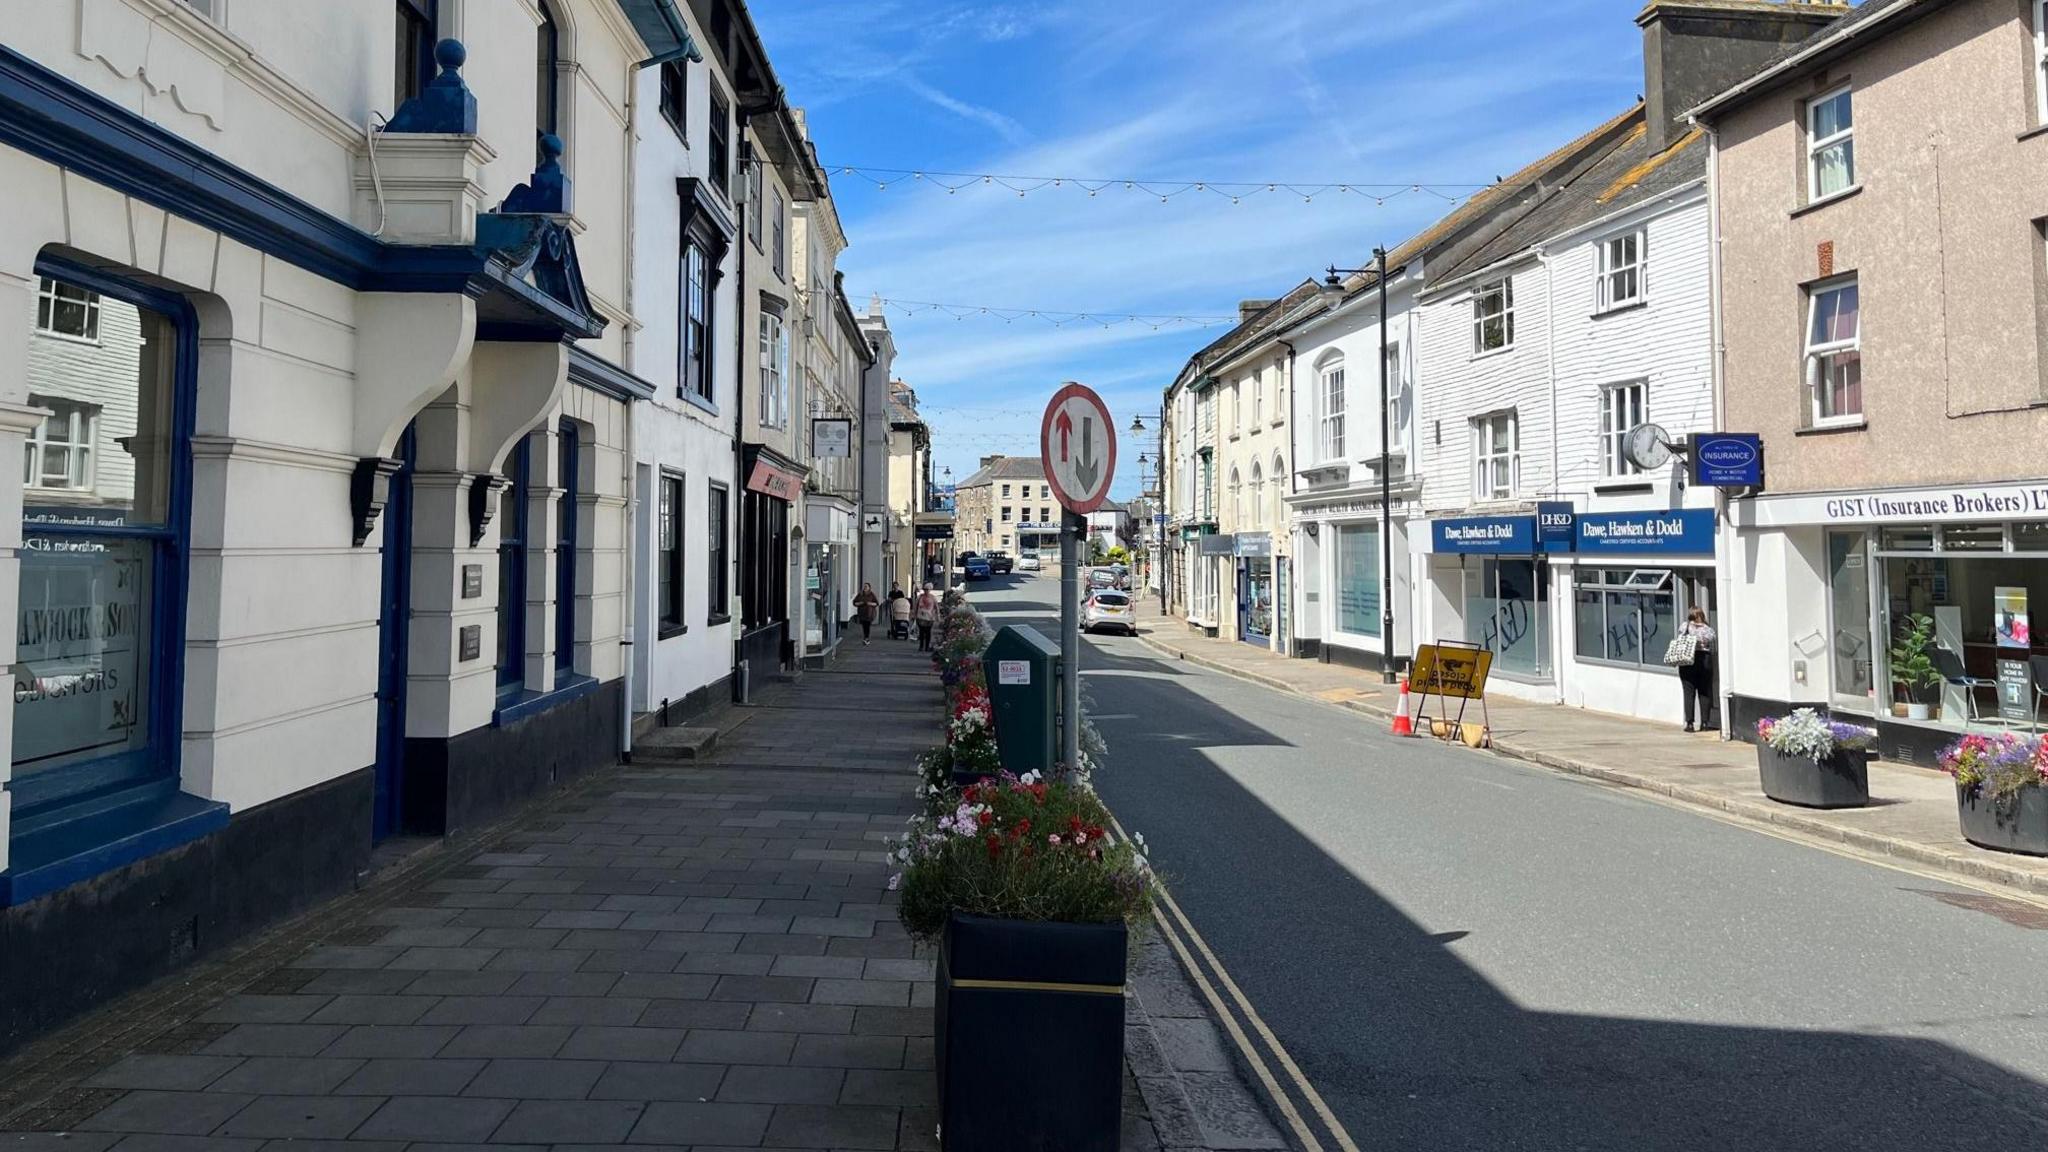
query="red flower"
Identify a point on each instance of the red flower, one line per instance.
(986, 818)
(995, 847)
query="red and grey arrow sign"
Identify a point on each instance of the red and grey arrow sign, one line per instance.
(1078, 443)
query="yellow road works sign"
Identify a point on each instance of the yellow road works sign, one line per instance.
(1440, 670)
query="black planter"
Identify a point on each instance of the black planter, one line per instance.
(2020, 825)
(1030, 1039)
(962, 777)
(1840, 781)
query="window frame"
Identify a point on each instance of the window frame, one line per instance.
(568, 512)
(718, 563)
(547, 78)
(773, 347)
(778, 257)
(1812, 353)
(1608, 584)
(1609, 271)
(2040, 8)
(1504, 288)
(1614, 461)
(514, 543)
(671, 520)
(1330, 410)
(1258, 399)
(50, 296)
(1486, 462)
(675, 81)
(719, 172)
(1816, 144)
(694, 367)
(47, 796)
(81, 418)
(417, 28)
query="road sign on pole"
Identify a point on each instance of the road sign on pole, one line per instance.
(1077, 441)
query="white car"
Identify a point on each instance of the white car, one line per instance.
(1028, 563)
(1108, 608)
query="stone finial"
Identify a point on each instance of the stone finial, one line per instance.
(446, 104)
(547, 190)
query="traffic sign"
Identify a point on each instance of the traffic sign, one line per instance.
(1077, 441)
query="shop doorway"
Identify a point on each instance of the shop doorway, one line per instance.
(388, 810)
(1852, 654)
(1255, 601)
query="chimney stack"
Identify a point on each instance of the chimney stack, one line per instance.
(1694, 49)
(1246, 309)
(988, 460)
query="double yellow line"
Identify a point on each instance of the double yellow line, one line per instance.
(1179, 932)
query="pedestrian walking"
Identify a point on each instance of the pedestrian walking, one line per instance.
(1692, 651)
(867, 606)
(899, 614)
(926, 610)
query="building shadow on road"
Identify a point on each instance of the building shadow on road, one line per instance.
(1414, 1048)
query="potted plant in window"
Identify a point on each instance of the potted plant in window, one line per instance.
(1033, 907)
(1913, 670)
(1814, 762)
(2001, 791)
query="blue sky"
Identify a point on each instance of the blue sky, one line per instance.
(1360, 91)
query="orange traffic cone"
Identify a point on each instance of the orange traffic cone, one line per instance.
(1403, 726)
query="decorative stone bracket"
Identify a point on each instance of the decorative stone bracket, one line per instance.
(483, 503)
(368, 491)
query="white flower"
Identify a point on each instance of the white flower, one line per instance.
(895, 881)
(1030, 777)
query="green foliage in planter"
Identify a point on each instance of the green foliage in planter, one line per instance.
(1912, 667)
(1020, 849)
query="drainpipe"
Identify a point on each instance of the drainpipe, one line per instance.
(1559, 616)
(1717, 373)
(737, 514)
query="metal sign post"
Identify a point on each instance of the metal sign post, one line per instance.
(1077, 424)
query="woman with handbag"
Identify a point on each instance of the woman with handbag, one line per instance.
(1692, 652)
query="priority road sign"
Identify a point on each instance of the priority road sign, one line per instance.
(1078, 444)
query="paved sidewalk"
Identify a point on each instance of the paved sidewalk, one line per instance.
(1912, 816)
(678, 956)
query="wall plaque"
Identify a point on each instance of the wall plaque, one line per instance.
(470, 642)
(472, 581)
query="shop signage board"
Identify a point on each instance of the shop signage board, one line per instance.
(831, 436)
(1728, 460)
(1678, 532)
(1954, 504)
(2011, 627)
(1251, 544)
(1450, 670)
(1077, 441)
(934, 531)
(1514, 535)
(1215, 545)
(1554, 524)
(871, 523)
(769, 480)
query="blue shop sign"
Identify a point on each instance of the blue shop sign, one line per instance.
(1728, 460)
(1682, 531)
(1515, 535)
(1553, 526)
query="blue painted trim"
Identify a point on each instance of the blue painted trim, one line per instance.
(155, 820)
(533, 703)
(570, 471)
(512, 538)
(54, 119)
(602, 376)
(40, 799)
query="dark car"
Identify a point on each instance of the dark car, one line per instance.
(977, 568)
(1002, 562)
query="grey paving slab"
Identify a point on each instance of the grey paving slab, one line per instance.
(764, 1084)
(886, 993)
(834, 1019)
(148, 1142)
(619, 1010)
(429, 1119)
(536, 1079)
(276, 1040)
(411, 1077)
(509, 1040)
(696, 1014)
(709, 1046)
(704, 1124)
(372, 1009)
(833, 1126)
(164, 1072)
(604, 1042)
(287, 1075)
(561, 1121)
(394, 1040)
(176, 1113)
(265, 1009)
(883, 1052)
(483, 1010)
(301, 1117)
(641, 1080)
(916, 1089)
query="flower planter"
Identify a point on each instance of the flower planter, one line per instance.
(2019, 826)
(962, 777)
(1029, 1044)
(1842, 780)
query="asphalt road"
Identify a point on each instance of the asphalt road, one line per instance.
(1464, 952)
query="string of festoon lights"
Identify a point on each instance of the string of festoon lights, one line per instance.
(1235, 191)
(1057, 318)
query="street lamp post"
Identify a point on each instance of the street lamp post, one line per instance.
(1333, 285)
(1159, 508)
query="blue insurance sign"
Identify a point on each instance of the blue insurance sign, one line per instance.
(1510, 534)
(1728, 460)
(1679, 532)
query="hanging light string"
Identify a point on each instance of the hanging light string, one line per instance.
(1235, 191)
(1057, 318)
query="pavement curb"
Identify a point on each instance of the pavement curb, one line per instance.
(1772, 817)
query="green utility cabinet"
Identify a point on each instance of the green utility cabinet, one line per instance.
(1023, 670)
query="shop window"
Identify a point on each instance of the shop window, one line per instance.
(568, 460)
(1834, 357)
(1330, 411)
(675, 97)
(1973, 538)
(1507, 612)
(58, 454)
(2030, 537)
(512, 525)
(719, 172)
(413, 66)
(67, 310)
(1912, 538)
(1493, 317)
(1830, 145)
(1358, 579)
(1621, 270)
(1626, 615)
(717, 568)
(1621, 408)
(1496, 456)
(101, 599)
(669, 554)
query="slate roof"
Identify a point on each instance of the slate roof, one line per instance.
(1619, 169)
(1008, 468)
